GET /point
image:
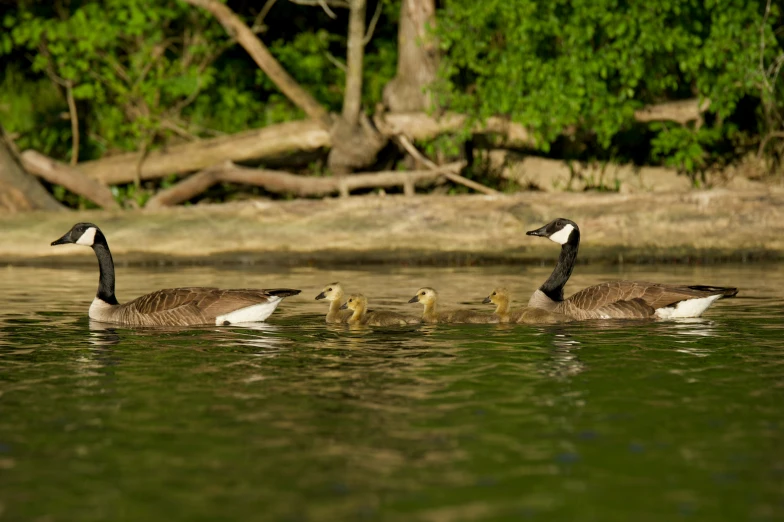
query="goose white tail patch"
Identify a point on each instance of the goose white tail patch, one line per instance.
(250, 314)
(88, 238)
(687, 308)
(562, 236)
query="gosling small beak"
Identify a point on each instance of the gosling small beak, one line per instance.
(321, 296)
(63, 240)
(487, 300)
(414, 299)
(541, 232)
(344, 307)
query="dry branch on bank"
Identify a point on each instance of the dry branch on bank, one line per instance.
(286, 183)
(267, 142)
(681, 111)
(74, 180)
(19, 191)
(291, 137)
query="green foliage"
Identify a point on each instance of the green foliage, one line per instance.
(559, 64)
(32, 112)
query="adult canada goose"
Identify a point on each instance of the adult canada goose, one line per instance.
(357, 303)
(333, 293)
(173, 306)
(615, 299)
(429, 298)
(527, 315)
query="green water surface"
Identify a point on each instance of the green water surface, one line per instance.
(296, 420)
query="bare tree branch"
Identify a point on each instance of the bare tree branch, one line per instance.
(373, 21)
(264, 59)
(286, 183)
(69, 177)
(74, 123)
(451, 176)
(334, 61)
(258, 23)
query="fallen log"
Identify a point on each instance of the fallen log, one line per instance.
(310, 135)
(267, 142)
(19, 191)
(681, 111)
(74, 180)
(422, 126)
(286, 183)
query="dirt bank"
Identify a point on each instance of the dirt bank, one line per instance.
(699, 226)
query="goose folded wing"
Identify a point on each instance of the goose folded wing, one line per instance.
(655, 295)
(194, 305)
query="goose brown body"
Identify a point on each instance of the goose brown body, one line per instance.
(628, 299)
(173, 306)
(615, 299)
(185, 306)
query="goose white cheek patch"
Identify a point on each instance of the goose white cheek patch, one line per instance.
(562, 236)
(88, 238)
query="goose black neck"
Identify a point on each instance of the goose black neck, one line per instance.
(553, 287)
(106, 268)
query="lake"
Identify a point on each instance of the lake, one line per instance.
(296, 420)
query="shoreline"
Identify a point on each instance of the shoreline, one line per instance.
(706, 226)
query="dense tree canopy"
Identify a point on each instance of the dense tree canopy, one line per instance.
(85, 78)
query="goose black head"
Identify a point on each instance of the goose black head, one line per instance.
(80, 234)
(559, 230)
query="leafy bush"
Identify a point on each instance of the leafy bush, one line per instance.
(587, 66)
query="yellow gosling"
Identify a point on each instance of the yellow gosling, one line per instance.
(429, 298)
(526, 315)
(357, 303)
(333, 293)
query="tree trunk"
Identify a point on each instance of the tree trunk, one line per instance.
(417, 58)
(355, 143)
(19, 191)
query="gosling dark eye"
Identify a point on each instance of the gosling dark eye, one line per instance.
(329, 289)
(350, 300)
(493, 293)
(422, 293)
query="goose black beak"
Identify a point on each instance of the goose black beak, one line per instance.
(487, 300)
(414, 299)
(63, 240)
(344, 307)
(541, 232)
(320, 296)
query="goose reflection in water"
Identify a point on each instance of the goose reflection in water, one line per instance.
(256, 335)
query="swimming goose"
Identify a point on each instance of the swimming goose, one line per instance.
(616, 299)
(333, 293)
(429, 298)
(357, 303)
(173, 306)
(527, 315)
